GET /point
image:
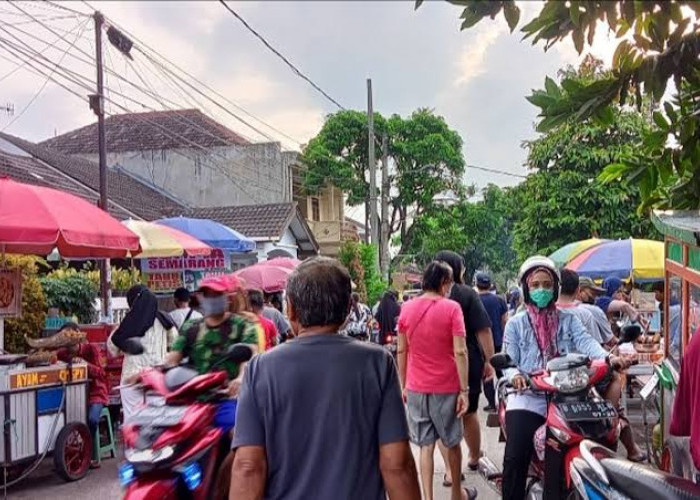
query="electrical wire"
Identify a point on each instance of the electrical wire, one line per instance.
(46, 81)
(63, 7)
(495, 171)
(278, 54)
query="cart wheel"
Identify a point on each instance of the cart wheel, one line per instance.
(73, 450)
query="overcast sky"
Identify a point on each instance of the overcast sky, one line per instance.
(477, 79)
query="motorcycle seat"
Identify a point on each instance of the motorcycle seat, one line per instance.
(637, 481)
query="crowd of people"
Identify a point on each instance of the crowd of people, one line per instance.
(326, 413)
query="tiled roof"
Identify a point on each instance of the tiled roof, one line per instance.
(253, 221)
(148, 131)
(29, 170)
(122, 188)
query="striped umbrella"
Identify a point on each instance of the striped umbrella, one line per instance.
(639, 260)
(164, 241)
(568, 252)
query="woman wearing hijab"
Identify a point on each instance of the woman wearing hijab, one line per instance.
(156, 333)
(532, 337)
(387, 316)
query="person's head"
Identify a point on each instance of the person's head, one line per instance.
(569, 284)
(588, 290)
(134, 293)
(514, 296)
(456, 263)
(483, 281)
(540, 281)
(212, 295)
(182, 298)
(71, 327)
(236, 294)
(613, 287)
(659, 289)
(318, 294)
(355, 298)
(405, 297)
(437, 278)
(388, 298)
(256, 300)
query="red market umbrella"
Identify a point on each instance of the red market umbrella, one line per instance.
(34, 220)
(286, 262)
(268, 278)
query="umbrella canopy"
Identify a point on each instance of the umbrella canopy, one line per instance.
(164, 241)
(286, 262)
(35, 220)
(212, 233)
(267, 278)
(568, 252)
(641, 260)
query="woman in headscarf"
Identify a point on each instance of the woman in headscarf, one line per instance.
(613, 287)
(387, 316)
(155, 331)
(533, 337)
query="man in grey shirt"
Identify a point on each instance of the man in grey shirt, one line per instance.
(322, 416)
(587, 293)
(273, 314)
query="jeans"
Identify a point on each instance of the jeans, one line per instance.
(94, 411)
(521, 426)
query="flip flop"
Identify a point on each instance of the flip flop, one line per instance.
(471, 492)
(447, 483)
(641, 458)
(475, 466)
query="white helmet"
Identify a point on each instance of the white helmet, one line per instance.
(537, 261)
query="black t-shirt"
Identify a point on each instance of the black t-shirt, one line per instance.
(321, 406)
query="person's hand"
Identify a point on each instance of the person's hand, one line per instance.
(462, 405)
(519, 383)
(489, 372)
(234, 387)
(132, 379)
(622, 362)
(404, 395)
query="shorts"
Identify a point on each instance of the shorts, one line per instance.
(432, 417)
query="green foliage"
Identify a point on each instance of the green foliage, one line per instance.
(72, 292)
(361, 261)
(33, 304)
(425, 155)
(664, 47)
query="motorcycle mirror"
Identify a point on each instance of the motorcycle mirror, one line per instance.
(133, 346)
(501, 361)
(239, 353)
(630, 333)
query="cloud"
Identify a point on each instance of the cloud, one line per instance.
(471, 62)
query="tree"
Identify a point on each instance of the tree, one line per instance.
(361, 261)
(425, 157)
(664, 47)
(31, 323)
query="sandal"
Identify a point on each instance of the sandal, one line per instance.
(447, 483)
(470, 491)
(641, 458)
(475, 466)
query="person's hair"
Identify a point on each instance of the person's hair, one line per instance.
(405, 297)
(455, 261)
(436, 275)
(71, 325)
(238, 302)
(256, 299)
(194, 301)
(569, 281)
(355, 297)
(319, 291)
(181, 295)
(658, 286)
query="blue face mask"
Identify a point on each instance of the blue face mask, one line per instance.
(214, 306)
(542, 297)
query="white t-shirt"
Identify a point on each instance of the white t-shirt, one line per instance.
(178, 316)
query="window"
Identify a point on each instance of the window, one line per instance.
(315, 209)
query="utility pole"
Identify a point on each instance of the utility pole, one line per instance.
(384, 240)
(97, 106)
(372, 167)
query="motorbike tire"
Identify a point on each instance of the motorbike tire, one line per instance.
(73, 451)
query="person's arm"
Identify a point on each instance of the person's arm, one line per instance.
(399, 471)
(459, 348)
(511, 336)
(248, 474)
(177, 353)
(485, 338)
(478, 321)
(250, 338)
(402, 351)
(92, 357)
(585, 344)
(625, 308)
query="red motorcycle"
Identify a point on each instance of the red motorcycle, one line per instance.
(575, 412)
(171, 447)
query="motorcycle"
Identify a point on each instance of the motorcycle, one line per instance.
(575, 411)
(600, 474)
(171, 447)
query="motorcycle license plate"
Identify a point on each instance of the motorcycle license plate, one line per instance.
(158, 416)
(587, 410)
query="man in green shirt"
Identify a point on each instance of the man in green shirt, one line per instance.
(205, 341)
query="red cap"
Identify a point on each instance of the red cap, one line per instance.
(216, 283)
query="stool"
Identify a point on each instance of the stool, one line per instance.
(110, 447)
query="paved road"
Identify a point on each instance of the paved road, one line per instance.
(103, 483)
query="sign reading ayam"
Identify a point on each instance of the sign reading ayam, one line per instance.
(38, 378)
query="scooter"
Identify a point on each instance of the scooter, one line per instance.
(171, 448)
(600, 474)
(575, 412)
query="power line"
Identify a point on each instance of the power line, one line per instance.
(495, 171)
(278, 54)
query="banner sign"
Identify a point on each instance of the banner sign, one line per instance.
(165, 275)
(10, 293)
(47, 377)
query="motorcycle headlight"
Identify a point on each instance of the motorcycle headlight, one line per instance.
(148, 455)
(569, 381)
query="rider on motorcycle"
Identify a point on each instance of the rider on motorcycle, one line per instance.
(533, 337)
(203, 341)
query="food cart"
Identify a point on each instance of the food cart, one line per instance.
(681, 317)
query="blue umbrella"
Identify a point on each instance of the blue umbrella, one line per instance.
(212, 233)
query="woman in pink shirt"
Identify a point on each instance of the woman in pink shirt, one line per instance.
(432, 357)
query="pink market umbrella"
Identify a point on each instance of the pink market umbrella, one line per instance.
(268, 278)
(285, 262)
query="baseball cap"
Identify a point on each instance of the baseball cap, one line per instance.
(586, 282)
(216, 283)
(483, 279)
